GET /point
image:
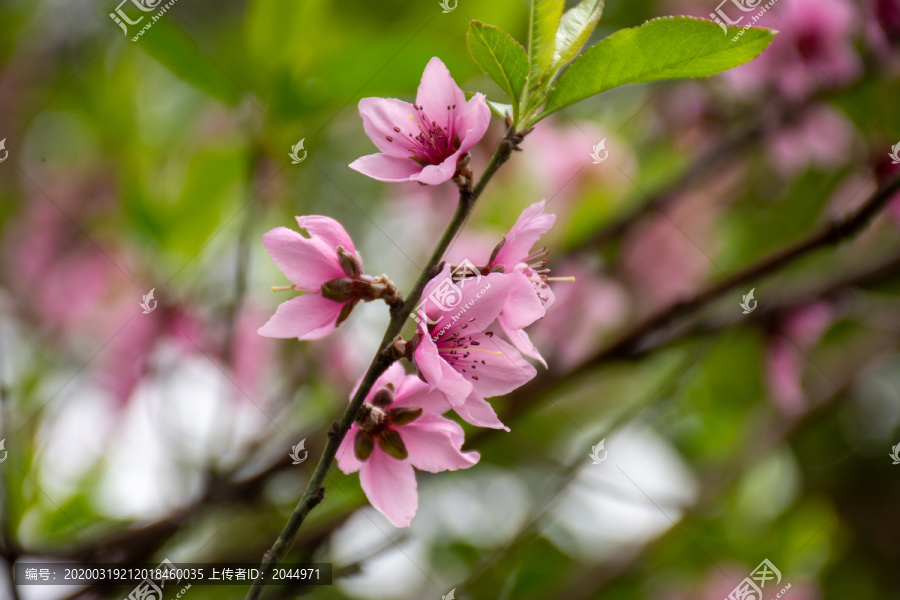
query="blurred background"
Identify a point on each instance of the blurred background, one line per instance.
(157, 164)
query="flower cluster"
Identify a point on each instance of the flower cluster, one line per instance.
(470, 337)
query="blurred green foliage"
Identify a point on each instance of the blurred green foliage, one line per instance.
(171, 155)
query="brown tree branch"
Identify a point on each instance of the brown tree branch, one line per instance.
(833, 233)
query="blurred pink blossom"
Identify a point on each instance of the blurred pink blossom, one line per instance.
(667, 255)
(786, 354)
(474, 245)
(720, 583)
(126, 358)
(129, 356)
(882, 27)
(585, 309)
(814, 49)
(555, 153)
(822, 137)
(251, 355)
(61, 273)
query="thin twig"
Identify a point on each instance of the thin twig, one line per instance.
(833, 233)
(883, 271)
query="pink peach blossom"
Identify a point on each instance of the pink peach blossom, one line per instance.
(529, 296)
(457, 352)
(423, 141)
(326, 265)
(399, 430)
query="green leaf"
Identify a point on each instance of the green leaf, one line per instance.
(575, 28)
(667, 48)
(183, 57)
(545, 16)
(500, 56)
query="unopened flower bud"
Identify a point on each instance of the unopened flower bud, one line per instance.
(392, 444)
(351, 265)
(397, 349)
